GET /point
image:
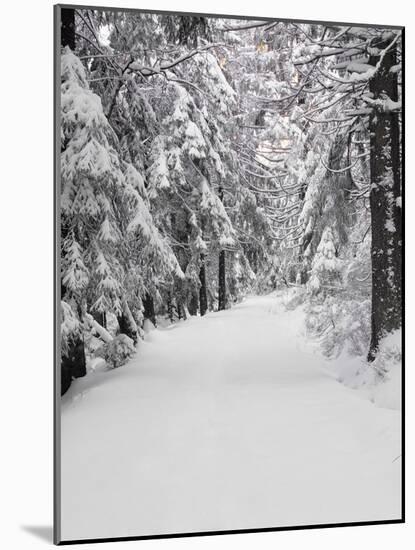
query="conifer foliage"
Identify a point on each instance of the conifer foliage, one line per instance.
(202, 159)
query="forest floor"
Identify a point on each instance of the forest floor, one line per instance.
(230, 421)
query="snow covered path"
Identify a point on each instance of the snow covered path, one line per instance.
(230, 421)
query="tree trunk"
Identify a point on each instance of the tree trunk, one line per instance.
(100, 318)
(73, 364)
(149, 311)
(193, 304)
(170, 307)
(386, 247)
(127, 328)
(68, 28)
(202, 290)
(222, 268)
(222, 280)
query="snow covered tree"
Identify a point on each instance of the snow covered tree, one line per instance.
(347, 83)
(92, 181)
(103, 202)
(73, 361)
(325, 267)
(203, 158)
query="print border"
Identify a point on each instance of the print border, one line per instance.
(56, 291)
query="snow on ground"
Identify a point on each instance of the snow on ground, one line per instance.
(380, 381)
(230, 421)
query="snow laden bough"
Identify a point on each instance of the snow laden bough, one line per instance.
(111, 249)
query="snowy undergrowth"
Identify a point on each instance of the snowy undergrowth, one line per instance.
(341, 335)
(117, 352)
(104, 356)
(380, 380)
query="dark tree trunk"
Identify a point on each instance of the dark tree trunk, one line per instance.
(127, 328)
(202, 290)
(193, 303)
(73, 365)
(170, 307)
(100, 318)
(68, 28)
(149, 311)
(386, 248)
(222, 268)
(222, 280)
(73, 362)
(303, 267)
(182, 311)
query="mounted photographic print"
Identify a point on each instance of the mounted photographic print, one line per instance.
(229, 260)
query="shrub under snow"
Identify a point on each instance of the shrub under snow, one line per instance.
(340, 324)
(117, 352)
(389, 365)
(382, 379)
(294, 297)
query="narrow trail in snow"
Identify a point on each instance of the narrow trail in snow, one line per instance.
(230, 421)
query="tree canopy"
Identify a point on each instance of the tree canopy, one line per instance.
(206, 158)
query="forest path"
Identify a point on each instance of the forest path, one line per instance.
(230, 421)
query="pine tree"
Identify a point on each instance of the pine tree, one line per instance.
(202, 158)
(73, 362)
